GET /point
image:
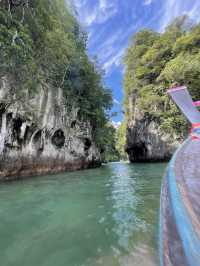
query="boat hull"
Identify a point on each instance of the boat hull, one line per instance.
(180, 208)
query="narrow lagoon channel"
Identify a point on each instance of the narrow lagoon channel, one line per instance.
(106, 216)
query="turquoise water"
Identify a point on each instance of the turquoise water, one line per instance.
(106, 216)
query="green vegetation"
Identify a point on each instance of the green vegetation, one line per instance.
(42, 42)
(154, 62)
(113, 143)
(109, 149)
(121, 141)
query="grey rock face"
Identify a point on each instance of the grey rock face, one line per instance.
(38, 134)
(146, 141)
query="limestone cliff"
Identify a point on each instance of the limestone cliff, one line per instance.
(39, 134)
(154, 62)
(146, 140)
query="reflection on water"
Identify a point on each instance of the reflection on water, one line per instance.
(125, 202)
(105, 216)
(141, 256)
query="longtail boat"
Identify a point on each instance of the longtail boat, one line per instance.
(180, 193)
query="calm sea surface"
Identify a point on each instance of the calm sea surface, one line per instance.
(106, 216)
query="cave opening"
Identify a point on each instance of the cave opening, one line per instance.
(87, 144)
(137, 152)
(73, 124)
(17, 123)
(58, 139)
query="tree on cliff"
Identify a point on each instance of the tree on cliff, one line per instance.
(42, 42)
(154, 62)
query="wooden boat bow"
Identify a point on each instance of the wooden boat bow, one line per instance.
(180, 195)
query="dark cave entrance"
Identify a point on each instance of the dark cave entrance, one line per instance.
(137, 152)
(73, 124)
(17, 123)
(87, 144)
(58, 139)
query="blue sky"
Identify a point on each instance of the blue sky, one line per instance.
(111, 23)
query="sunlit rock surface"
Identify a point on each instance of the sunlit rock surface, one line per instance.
(39, 134)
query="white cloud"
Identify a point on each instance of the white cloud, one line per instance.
(114, 60)
(90, 18)
(103, 4)
(116, 102)
(175, 8)
(172, 9)
(110, 44)
(97, 13)
(112, 49)
(148, 2)
(116, 124)
(194, 12)
(79, 3)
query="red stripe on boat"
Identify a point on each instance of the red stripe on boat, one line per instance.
(196, 125)
(197, 103)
